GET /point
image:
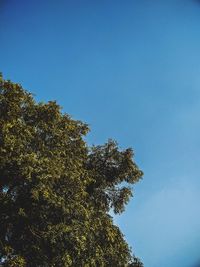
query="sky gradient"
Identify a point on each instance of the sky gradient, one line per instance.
(131, 70)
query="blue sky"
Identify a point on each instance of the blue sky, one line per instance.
(131, 70)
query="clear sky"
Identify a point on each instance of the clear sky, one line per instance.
(131, 70)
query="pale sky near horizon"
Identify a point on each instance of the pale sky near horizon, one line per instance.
(131, 70)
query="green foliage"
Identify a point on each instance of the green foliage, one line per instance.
(55, 191)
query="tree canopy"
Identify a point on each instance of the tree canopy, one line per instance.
(56, 192)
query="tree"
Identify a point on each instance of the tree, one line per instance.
(56, 192)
